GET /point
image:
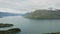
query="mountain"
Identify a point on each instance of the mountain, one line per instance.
(26, 14)
(44, 14)
(5, 14)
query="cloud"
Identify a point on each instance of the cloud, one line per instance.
(10, 10)
(29, 5)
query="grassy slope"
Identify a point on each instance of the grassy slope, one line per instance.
(38, 14)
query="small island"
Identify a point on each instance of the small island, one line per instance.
(5, 25)
(10, 31)
(14, 30)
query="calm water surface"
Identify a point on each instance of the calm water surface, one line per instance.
(29, 26)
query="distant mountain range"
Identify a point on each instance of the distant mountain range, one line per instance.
(5, 14)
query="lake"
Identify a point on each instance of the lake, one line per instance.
(29, 26)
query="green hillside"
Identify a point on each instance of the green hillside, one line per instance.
(42, 14)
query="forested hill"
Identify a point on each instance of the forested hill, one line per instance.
(41, 14)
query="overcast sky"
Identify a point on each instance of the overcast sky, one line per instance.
(21, 6)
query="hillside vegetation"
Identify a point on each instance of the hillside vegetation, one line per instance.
(42, 14)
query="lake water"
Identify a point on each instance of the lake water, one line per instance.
(29, 26)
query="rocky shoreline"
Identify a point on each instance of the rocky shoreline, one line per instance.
(52, 33)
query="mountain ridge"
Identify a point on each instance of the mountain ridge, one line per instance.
(44, 14)
(5, 14)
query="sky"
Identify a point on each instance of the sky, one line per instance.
(24, 6)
